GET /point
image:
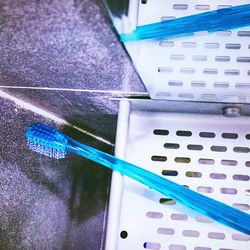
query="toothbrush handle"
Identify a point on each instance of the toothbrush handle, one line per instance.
(216, 210)
(211, 21)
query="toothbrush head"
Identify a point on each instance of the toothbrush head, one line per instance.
(46, 141)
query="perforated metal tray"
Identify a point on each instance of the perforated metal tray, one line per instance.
(204, 67)
(186, 137)
(203, 150)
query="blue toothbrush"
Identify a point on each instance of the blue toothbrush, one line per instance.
(211, 21)
(50, 142)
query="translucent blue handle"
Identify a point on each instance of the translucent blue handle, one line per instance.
(211, 21)
(216, 210)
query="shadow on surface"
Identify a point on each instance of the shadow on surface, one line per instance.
(48, 203)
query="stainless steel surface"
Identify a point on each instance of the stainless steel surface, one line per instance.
(203, 150)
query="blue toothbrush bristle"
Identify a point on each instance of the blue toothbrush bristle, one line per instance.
(46, 140)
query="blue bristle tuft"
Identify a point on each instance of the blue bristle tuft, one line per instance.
(46, 140)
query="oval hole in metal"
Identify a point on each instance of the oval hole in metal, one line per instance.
(218, 176)
(158, 158)
(184, 133)
(171, 145)
(161, 132)
(166, 231)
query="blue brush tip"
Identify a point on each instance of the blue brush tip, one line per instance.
(46, 141)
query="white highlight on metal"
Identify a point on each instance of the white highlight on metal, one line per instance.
(117, 179)
(113, 92)
(45, 113)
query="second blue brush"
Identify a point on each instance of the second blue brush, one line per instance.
(212, 21)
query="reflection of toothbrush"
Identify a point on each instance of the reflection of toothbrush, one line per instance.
(48, 141)
(211, 21)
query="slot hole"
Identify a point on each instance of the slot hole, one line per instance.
(218, 176)
(243, 33)
(211, 45)
(204, 189)
(193, 174)
(190, 233)
(168, 44)
(202, 248)
(243, 59)
(161, 132)
(241, 150)
(224, 33)
(202, 7)
(189, 44)
(199, 58)
(152, 245)
(221, 84)
(242, 85)
(207, 134)
(223, 6)
(206, 161)
(228, 191)
(180, 6)
(177, 247)
(182, 160)
(241, 237)
(177, 57)
(165, 70)
(184, 133)
(180, 217)
(195, 147)
(247, 164)
(229, 135)
(232, 72)
(171, 145)
(241, 177)
(163, 94)
(167, 201)
(187, 70)
(186, 95)
(229, 162)
(248, 136)
(166, 231)
(203, 219)
(232, 46)
(222, 58)
(158, 158)
(243, 207)
(167, 18)
(210, 71)
(175, 83)
(154, 215)
(198, 84)
(219, 148)
(216, 236)
(169, 172)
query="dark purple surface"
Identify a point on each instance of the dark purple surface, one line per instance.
(65, 44)
(62, 43)
(48, 203)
